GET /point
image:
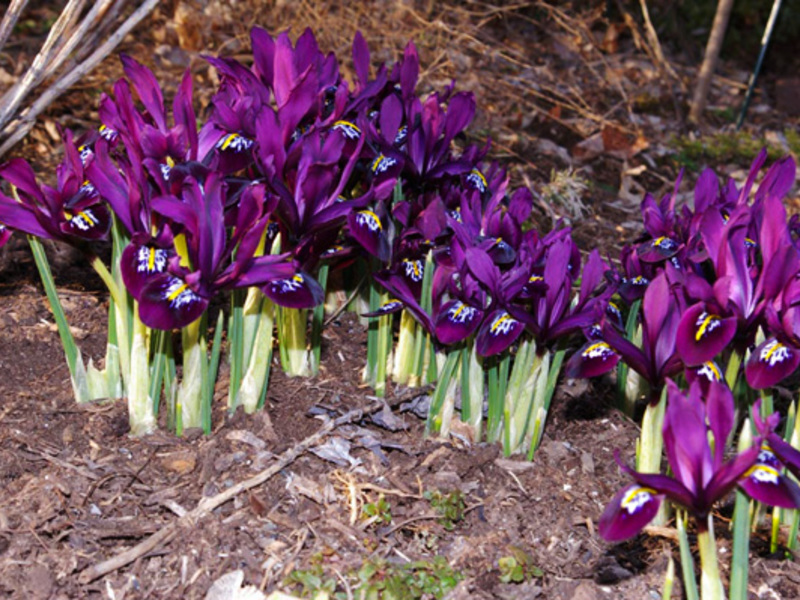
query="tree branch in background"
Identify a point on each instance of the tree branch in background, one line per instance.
(713, 47)
(61, 44)
(10, 19)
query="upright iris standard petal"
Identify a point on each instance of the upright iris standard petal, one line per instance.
(765, 481)
(498, 332)
(456, 321)
(629, 511)
(168, 302)
(702, 334)
(139, 264)
(593, 359)
(367, 229)
(299, 291)
(769, 363)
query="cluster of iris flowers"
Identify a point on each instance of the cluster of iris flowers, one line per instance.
(712, 284)
(301, 185)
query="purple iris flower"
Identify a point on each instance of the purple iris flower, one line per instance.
(179, 295)
(72, 211)
(147, 136)
(702, 476)
(732, 308)
(779, 355)
(657, 359)
(664, 226)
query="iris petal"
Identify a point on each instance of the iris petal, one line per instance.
(457, 321)
(167, 302)
(367, 229)
(498, 332)
(769, 363)
(702, 335)
(765, 482)
(593, 359)
(140, 264)
(299, 291)
(90, 223)
(631, 509)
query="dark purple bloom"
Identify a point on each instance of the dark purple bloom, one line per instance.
(701, 475)
(657, 358)
(703, 333)
(179, 295)
(71, 211)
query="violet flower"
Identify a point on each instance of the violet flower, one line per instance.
(180, 295)
(702, 476)
(70, 212)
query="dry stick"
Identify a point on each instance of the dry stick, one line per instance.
(10, 19)
(713, 47)
(206, 505)
(54, 91)
(17, 93)
(93, 17)
(652, 36)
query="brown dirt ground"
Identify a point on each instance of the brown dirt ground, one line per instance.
(77, 489)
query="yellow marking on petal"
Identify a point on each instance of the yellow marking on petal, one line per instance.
(631, 496)
(228, 140)
(703, 326)
(177, 292)
(775, 347)
(298, 278)
(595, 349)
(170, 162)
(459, 310)
(710, 364)
(347, 124)
(498, 323)
(151, 260)
(764, 468)
(479, 175)
(371, 214)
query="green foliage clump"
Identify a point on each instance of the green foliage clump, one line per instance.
(379, 511)
(728, 147)
(381, 580)
(450, 507)
(517, 567)
(419, 579)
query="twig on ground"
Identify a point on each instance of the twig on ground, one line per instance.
(339, 310)
(652, 37)
(206, 505)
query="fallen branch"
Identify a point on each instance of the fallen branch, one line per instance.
(206, 505)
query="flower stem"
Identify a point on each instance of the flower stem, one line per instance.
(687, 563)
(77, 371)
(651, 444)
(140, 405)
(190, 392)
(710, 581)
(257, 376)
